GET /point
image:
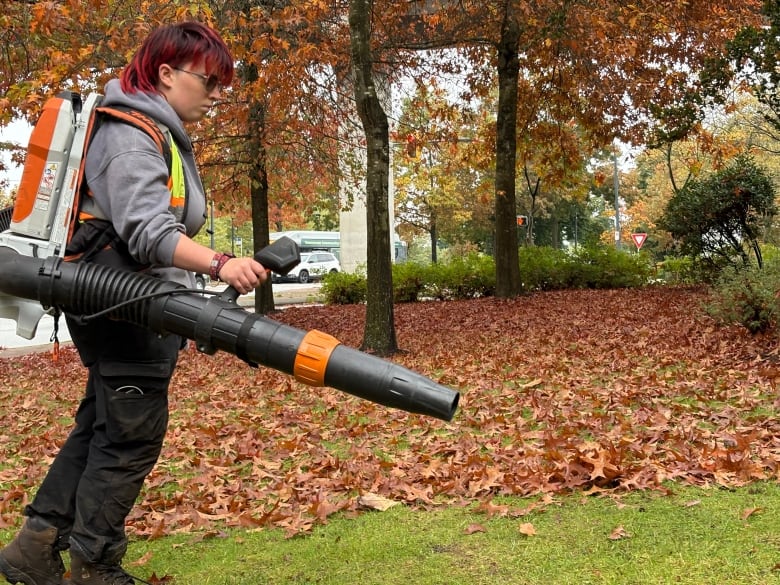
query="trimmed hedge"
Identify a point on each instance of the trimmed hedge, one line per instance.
(474, 275)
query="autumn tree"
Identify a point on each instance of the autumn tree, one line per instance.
(720, 218)
(573, 222)
(267, 152)
(434, 182)
(607, 63)
(738, 128)
(278, 133)
(750, 60)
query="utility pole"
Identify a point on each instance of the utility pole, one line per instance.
(617, 205)
(211, 222)
(434, 228)
(576, 229)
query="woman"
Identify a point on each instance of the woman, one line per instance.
(152, 207)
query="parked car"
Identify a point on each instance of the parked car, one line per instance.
(313, 266)
(201, 280)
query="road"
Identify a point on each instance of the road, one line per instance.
(285, 294)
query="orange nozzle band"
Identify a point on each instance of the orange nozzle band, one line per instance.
(311, 360)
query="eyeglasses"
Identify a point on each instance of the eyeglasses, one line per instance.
(210, 82)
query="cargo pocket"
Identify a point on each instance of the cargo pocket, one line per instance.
(136, 400)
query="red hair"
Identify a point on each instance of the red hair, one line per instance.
(177, 44)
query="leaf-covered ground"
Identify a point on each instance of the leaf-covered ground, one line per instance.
(603, 391)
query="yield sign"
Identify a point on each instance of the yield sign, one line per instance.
(639, 239)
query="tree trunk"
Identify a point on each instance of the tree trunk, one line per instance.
(507, 259)
(258, 175)
(258, 189)
(379, 335)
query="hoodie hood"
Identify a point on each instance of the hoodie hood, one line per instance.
(153, 105)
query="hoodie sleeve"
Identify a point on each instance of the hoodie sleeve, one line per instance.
(128, 178)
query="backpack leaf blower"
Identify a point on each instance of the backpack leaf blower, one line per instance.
(219, 323)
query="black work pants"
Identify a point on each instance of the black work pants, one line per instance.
(120, 426)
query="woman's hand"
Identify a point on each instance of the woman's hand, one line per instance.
(243, 274)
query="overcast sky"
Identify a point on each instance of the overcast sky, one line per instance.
(18, 132)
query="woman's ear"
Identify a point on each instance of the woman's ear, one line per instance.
(165, 74)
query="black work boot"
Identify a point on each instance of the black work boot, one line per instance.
(83, 572)
(31, 558)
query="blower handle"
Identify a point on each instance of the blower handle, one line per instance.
(280, 257)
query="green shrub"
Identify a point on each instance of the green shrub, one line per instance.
(590, 267)
(678, 270)
(747, 296)
(771, 254)
(473, 275)
(544, 268)
(343, 288)
(408, 281)
(465, 277)
(607, 267)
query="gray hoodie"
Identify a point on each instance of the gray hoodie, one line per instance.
(128, 177)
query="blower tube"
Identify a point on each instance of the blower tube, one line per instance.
(218, 323)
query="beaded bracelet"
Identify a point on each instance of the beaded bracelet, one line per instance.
(217, 262)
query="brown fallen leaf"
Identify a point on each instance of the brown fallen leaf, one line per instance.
(143, 560)
(530, 384)
(528, 529)
(472, 528)
(748, 512)
(619, 533)
(376, 502)
(492, 509)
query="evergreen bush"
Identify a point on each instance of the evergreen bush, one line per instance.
(606, 267)
(409, 280)
(344, 288)
(544, 268)
(678, 270)
(465, 277)
(748, 296)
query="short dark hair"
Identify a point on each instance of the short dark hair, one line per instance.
(176, 44)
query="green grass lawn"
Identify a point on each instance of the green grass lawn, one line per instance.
(688, 536)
